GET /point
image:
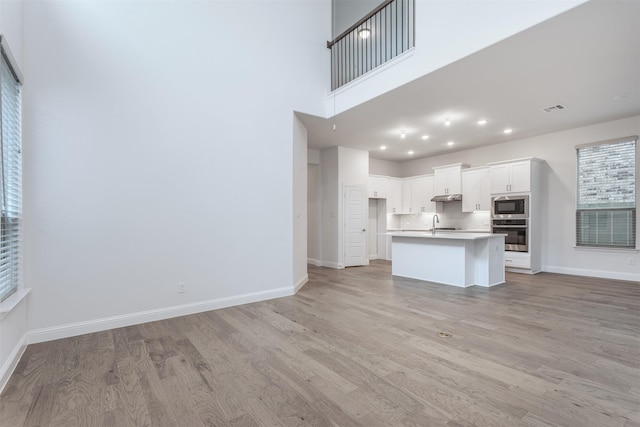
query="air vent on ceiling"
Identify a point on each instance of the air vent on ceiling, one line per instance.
(557, 107)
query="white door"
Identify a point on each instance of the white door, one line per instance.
(355, 225)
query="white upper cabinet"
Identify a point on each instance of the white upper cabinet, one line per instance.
(476, 192)
(406, 196)
(511, 177)
(448, 179)
(378, 187)
(421, 194)
(416, 195)
(394, 195)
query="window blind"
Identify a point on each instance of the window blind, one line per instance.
(10, 178)
(606, 194)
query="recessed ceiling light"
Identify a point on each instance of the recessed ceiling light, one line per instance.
(447, 122)
(482, 122)
(508, 131)
(450, 143)
(425, 137)
(403, 135)
(410, 152)
(383, 147)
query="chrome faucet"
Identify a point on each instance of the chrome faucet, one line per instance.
(433, 227)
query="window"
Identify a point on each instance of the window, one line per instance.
(606, 194)
(11, 174)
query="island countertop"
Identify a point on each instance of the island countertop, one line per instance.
(444, 235)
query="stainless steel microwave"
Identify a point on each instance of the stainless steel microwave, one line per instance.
(510, 206)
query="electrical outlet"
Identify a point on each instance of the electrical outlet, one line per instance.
(182, 287)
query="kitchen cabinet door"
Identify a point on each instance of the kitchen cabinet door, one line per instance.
(512, 177)
(448, 179)
(476, 195)
(394, 195)
(407, 196)
(378, 187)
(520, 176)
(419, 194)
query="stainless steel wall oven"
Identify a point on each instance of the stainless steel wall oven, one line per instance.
(516, 231)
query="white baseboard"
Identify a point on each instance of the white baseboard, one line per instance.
(12, 361)
(592, 273)
(320, 263)
(300, 283)
(97, 325)
(335, 265)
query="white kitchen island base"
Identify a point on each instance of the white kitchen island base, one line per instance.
(458, 259)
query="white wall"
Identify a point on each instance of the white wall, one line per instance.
(299, 192)
(14, 324)
(558, 221)
(329, 204)
(385, 167)
(159, 149)
(339, 166)
(478, 24)
(314, 215)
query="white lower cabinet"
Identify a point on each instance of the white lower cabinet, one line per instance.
(517, 259)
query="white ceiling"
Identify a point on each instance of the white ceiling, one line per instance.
(587, 59)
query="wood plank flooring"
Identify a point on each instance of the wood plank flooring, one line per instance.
(355, 347)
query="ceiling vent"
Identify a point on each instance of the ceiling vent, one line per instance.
(557, 107)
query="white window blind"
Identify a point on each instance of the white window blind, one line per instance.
(11, 176)
(606, 194)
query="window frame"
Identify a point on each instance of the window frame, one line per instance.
(615, 247)
(11, 263)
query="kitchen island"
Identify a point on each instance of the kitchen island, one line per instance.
(458, 259)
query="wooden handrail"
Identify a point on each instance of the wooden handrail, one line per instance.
(360, 22)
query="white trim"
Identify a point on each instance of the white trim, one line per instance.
(13, 64)
(314, 261)
(592, 273)
(12, 361)
(106, 323)
(605, 249)
(12, 301)
(300, 283)
(335, 265)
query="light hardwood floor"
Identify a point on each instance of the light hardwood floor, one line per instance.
(355, 347)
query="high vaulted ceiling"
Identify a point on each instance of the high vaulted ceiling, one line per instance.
(587, 59)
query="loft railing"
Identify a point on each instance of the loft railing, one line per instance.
(384, 33)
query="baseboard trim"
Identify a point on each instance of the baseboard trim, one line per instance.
(335, 265)
(300, 283)
(97, 325)
(314, 261)
(12, 361)
(592, 273)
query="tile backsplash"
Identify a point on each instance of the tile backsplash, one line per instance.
(450, 216)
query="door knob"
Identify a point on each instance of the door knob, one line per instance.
(364, 229)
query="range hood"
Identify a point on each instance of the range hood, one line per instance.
(447, 198)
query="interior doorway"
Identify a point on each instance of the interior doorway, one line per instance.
(376, 236)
